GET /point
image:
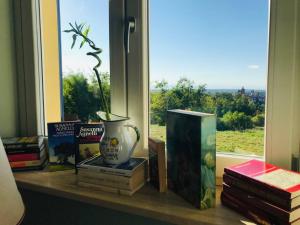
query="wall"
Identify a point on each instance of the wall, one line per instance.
(8, 82)
(51, 64)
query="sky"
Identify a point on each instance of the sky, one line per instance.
(220, 43)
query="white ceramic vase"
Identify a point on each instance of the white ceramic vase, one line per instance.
(118, 143)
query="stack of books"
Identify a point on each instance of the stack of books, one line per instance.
(262, 192)
(123, 179)
(25, 153)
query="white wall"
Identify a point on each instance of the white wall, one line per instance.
(8, 86)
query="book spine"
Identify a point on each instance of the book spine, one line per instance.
(24, 150)
(117, 172)
(256, 202)
(114, 183)
(25, 163)
(250, 212)
(23, 157)
(257, 191)
(279, 192)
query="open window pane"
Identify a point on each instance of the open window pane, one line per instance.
(211, 56)
(80, 86)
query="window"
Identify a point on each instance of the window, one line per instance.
(212, 58)
(129, 91)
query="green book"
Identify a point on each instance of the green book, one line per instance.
(191, 151)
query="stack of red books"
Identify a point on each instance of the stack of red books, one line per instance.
(262, 192)
(25, 153)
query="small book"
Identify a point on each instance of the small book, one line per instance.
(87, 140)
(61, 143)
(157, 164)
(283, 183)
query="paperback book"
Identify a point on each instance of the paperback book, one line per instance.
(87, 139)
(61, 143)
(191, 149)
(125, 178)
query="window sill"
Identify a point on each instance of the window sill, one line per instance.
(147, 202)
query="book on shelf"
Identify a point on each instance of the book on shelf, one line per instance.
(87, 140)
(191, 156)
(252, 212)
(18, 143)
(263, 193)
(124, 178)
(27, 156)
(61, 144)
(283, 183)
(262, 205)
(157, 164)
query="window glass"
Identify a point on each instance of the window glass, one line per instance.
(211, 56)
(81, 94)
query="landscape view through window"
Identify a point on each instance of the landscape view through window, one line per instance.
(205, 55)
(211, 56)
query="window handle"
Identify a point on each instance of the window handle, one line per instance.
(130, 28)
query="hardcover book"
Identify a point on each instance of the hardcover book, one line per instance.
(191, 150)
(252, 212)
(262, 205)
(87, 139)
(157, 164)
(61, 143)
(283, 183)
(262, 192)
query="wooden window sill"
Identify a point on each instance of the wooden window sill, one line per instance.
(147, 202)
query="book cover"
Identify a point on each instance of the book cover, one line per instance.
(191, 150)
(87, 139)
(284, 183)
(157, 164)
(61, 143)
(98, 164)
(17, 143)
(261, 192)
(251, 200)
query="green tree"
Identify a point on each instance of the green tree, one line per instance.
(78, 99)
(235, 121)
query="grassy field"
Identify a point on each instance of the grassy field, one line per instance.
(250, 142)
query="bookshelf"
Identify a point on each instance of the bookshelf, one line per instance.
(147, 202)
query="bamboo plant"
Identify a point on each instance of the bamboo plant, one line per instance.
(81, 31)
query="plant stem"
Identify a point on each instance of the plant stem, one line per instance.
(102, 94)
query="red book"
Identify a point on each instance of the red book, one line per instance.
(284, 183)
(23, 157)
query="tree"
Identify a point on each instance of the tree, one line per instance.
(235, 121)
(78, 98)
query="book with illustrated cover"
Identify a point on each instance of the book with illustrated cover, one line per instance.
(157, 164)
(61, 143)
(87, 139)
(97, 164)
(191, 156)
(283, 183)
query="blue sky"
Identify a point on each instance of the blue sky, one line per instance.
(220, 43)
